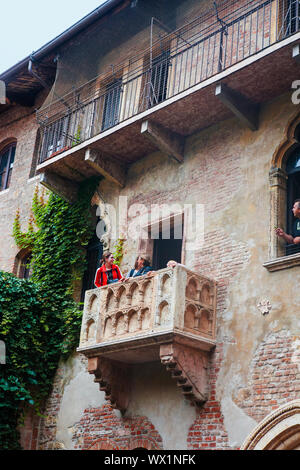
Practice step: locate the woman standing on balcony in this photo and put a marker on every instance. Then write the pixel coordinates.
(141, 267)
(109, 273)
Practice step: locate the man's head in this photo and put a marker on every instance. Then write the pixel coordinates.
(141, 262)
(296, 208)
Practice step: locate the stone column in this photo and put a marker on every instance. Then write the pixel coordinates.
(278, 186)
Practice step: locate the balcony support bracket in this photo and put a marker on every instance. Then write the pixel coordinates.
(167, 141)
(296, 53)
(57, 184)
(106, 166)
(113, 378)
(189, 368)
(242, 107)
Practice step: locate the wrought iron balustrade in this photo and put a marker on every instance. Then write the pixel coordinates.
(197, 51)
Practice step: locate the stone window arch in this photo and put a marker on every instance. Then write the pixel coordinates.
(280, 177)
(22, 265)
(104, 444)
(143, 444)
(280, 430)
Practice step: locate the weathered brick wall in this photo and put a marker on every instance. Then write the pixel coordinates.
(116, 433)
(259, 355)
(208, 431)
(256, 362)
(30, 430)
(274, 376)
(19, 125)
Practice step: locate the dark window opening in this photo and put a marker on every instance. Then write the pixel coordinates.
(112, 105)
(293, 192)
(55, 138)
(94, 255)
(159, 78)
(25, 267)
(7, 157)
(292, 23)
(165, 250)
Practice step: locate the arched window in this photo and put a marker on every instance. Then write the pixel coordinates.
(7, 156)
(25, 266)
(22, 266)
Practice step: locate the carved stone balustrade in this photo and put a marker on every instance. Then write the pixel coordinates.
(168, 317)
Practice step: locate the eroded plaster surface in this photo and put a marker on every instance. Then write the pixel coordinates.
(79, 392)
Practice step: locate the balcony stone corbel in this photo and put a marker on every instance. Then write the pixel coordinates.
(106, 166)
(189, 368)
(296, 53)
(61, 186)
(165, 140)
(245, 110)
(113, 379)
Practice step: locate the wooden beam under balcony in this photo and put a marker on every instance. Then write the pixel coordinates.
(243, 108)
(110, 169)
(63, 187)
(168, 142)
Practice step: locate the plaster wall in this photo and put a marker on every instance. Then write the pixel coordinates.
(255, 367)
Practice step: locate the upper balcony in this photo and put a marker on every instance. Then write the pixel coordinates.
(168, 317)
(216, 65)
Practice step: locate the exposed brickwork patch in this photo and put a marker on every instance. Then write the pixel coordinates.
(208, 431)
(29, 431)
(274, 376)
(101, 428)
(48, 427)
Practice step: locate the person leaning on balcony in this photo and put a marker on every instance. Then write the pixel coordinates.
(108, 273)
(141, 267)
(295, 237)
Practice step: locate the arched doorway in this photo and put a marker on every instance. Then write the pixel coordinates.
(280, 430)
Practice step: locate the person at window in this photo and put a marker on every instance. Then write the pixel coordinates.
(108, 273)
(141, 267)
(295, 237)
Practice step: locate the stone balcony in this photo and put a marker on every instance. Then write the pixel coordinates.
(169, 317)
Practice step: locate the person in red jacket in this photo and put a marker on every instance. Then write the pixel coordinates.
(109, 272)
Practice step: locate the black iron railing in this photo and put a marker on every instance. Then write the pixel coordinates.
(184, 58)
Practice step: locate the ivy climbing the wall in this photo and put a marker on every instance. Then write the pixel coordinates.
(39, 318)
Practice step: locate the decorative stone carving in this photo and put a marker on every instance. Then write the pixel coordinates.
(189, 368)
(168, 316)
(264, 307)
(280, 430)
(113, 379)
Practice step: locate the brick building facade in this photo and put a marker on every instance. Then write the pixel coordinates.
(197, 111)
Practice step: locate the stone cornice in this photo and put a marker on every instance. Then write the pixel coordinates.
(284, 262)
